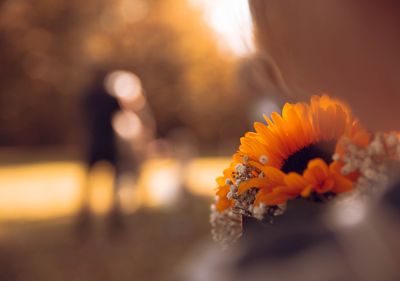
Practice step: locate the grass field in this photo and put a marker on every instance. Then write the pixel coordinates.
(40, 198)
(152, 246)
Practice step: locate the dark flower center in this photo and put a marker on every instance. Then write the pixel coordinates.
(298, 161)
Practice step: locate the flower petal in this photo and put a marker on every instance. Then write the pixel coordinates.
(255, 182)
(269, 198)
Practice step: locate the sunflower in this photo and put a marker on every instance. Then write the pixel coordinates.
(296, 154)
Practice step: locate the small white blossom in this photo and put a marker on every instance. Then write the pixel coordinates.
(259, 211)
(391, 140)
(228, 182)
(263, 159)
(347, 169)
(281, 210)
(241, 169)
(376, 146)
(370, 174)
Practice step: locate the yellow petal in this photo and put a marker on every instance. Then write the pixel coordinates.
(295, 181)
(273, 174)
(307, 191)
(255, 182)
(270, 198)
(220, 181)
(342, 184)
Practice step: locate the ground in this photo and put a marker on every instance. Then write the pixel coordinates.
(152, 247)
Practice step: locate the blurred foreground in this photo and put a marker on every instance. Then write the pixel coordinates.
(49, 250)
(40, 197)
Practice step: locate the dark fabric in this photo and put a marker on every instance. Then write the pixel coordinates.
(391, 199)
(99, 109)
(297, 230)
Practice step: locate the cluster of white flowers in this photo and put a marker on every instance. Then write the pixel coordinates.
(263, 211)
(260, 211)
(243, 203)
(226, 226)
(371, 161)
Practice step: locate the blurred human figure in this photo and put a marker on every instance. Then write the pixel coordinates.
(99, 108)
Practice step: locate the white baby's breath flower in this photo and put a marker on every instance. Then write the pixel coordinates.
(263, 159)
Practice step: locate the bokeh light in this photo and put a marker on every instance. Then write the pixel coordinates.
(350, 211)
(127, 124)
(231, 21)
(161, 182)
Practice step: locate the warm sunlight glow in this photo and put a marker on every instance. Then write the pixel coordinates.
(201, 173)
(101, 181)
(40, 191)
(231, 21)
(160, 182)
(53, 189)
(128, 194)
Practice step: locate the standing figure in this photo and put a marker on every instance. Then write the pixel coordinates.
(99, 108)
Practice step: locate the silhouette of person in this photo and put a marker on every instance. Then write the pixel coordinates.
(99, 108)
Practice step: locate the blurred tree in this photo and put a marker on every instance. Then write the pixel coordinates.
(50, 47)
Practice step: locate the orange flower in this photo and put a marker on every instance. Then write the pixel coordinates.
(318, 177)
(222, 191)
(300, 125)
(283, 159)
(322, 179)
(290, 187)
(273, 178)
(355, 134)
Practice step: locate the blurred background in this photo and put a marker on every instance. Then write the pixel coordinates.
(116, 116)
